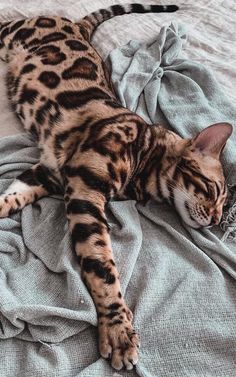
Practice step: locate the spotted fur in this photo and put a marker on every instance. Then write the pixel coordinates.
(93, 149)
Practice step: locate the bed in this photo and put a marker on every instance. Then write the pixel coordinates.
(183, 298)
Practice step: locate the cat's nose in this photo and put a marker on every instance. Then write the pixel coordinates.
(214, 220)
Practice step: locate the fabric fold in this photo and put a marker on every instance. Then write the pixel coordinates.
(159, 83)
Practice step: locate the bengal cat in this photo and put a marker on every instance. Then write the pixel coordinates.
(93, 149)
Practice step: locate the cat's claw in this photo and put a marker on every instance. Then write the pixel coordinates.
(119, 342)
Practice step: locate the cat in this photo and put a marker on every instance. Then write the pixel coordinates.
(93, 149)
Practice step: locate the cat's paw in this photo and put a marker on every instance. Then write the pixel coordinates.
(118, 341)
(9, 204)
(4, 206)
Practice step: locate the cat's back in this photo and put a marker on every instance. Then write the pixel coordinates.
(52, 68)
(60, 89)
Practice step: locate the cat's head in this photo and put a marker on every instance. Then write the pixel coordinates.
(198, 189)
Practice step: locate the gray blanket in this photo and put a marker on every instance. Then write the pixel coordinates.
(179, 282)
(159, 83)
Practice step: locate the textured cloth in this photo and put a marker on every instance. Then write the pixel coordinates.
(162, 85)
(179, 282)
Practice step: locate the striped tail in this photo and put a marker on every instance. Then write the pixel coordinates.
(93, 20)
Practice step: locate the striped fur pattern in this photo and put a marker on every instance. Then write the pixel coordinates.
(93, 149)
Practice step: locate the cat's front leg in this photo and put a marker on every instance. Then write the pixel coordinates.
(90, 235)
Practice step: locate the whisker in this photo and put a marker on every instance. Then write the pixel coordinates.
(175, 197)
(177, 185)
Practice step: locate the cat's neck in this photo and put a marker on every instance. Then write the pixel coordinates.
(160, 152)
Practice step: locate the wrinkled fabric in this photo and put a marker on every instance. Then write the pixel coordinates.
(179, 282)
(163, 86)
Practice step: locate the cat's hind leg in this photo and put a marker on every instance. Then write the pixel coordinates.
(28, 187)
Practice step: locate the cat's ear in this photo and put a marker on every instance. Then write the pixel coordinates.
(212, 139)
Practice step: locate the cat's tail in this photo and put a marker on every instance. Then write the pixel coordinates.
(90, 22)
